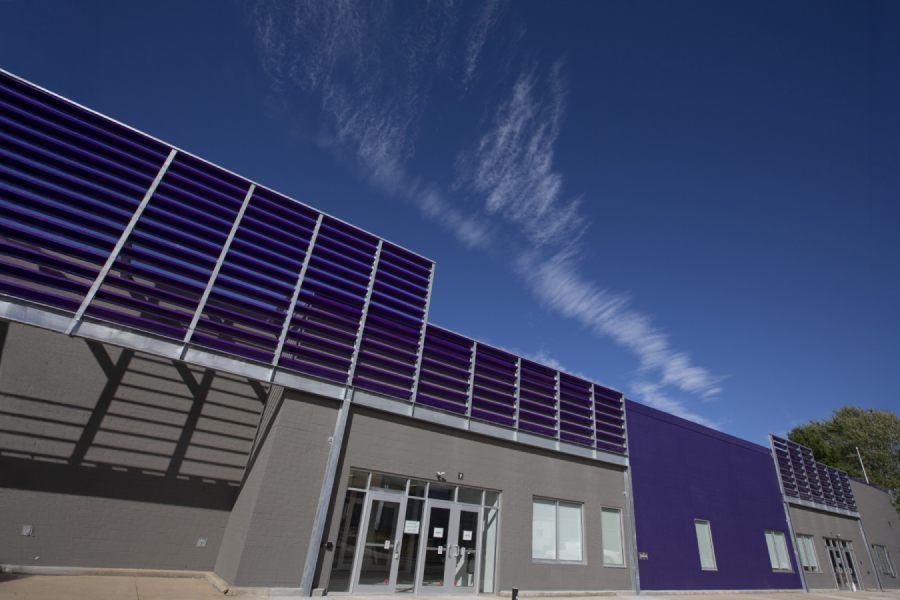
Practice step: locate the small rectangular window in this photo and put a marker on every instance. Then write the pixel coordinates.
(705, 544)
(556, 531)
(884, 561)
(807, 550)
(611, 532)
(778, 554)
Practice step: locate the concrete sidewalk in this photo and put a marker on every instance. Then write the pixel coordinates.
(85, 587)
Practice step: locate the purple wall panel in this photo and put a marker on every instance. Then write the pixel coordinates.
(682, 471)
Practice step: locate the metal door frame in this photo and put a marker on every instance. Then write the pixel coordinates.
(840, 550)
(371, 498)
(860, 586)
(452, 533)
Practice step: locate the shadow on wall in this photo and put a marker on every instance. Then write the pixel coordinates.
(83, 418)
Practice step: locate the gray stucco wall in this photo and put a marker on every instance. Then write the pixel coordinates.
(822, 524)
(117, 459)
(269, 529)
(398, 445)
(882, 525)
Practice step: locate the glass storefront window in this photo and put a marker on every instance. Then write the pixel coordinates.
(489, 550)
(469, 496)
(388, 483)
(345, 548)
(358, 479)
(409, 550)
(441, 491)
(417, 488)
(452, 544)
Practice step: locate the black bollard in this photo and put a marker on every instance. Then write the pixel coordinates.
(515, 594)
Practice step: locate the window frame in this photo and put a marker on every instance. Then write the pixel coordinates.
(557, 560)
(624, 564)
(712, 547)
(888, 562)
(776, 534)
(801, 550)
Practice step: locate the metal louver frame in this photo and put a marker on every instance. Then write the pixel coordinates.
(465, 377)
(810, 483)
(110, 234)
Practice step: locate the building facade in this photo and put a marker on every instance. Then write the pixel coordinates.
(198, 373)
(881, 524)
(694, 485)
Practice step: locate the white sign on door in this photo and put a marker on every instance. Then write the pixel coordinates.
(387, 544)
(411, 527)
(438, 532)
(440, 549)
(467, 535)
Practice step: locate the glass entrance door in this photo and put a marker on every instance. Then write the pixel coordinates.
(377, 564)
(843, 563)
(451, 549)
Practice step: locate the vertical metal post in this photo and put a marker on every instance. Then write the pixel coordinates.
(415, 386)
(89, 297)
(858, 455)
(787, 515)
(318, 528)
(471, 379)
(292, 306)
(518, 389)
(875, 568)
(594, 419)
(365, 314)
(558, 405)
(216, 269)
(629, 504)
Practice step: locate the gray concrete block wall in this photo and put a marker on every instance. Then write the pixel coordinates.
(821, 524)
(118, 459)
(269, 529)
(397, 445)
(84, 531)
(882, 525)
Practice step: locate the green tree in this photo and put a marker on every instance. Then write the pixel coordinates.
(874, 431)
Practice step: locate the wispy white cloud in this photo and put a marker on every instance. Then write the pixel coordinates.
(512, 164)
(470, 232)
(650, 393)
(371, 66)
(559, 286)
(478, 35)
(512, 167)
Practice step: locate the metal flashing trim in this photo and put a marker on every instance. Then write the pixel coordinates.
(309, 385)
(383, 403)
(24, 312)
(823, 507)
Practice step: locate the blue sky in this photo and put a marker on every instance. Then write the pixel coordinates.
(695, 203)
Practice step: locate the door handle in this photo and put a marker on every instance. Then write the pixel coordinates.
(457, 551)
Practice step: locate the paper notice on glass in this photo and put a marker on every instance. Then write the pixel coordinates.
(467, 535)
(440, 549)
(438, 532)
(411, 527)
(387, 544)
